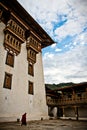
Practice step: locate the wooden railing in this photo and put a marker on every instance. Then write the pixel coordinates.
(67, 101)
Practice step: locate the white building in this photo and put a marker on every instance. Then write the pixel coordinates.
(21, 71)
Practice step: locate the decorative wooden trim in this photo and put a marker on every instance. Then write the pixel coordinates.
(16, 29)
(31, 55)
(11, 43)
(14, 37)
(33, 43)
(20, 21)
(36, 36)
(14, 32)
(33, 47)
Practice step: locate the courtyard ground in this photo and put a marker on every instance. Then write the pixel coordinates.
(46, 125)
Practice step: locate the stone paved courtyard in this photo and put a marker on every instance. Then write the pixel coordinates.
(46, 125)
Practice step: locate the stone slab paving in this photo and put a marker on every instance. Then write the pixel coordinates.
(46, 125)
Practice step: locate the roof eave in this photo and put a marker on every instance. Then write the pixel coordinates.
(14, 6)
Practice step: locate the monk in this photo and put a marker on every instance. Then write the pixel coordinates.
(23, 120)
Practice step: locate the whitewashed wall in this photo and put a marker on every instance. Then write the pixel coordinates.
(15, 102)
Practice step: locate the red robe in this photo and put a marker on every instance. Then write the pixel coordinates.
(23, 120)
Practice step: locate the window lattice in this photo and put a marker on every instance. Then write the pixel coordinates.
(30, 88)
(31, 69)
(8, 80)
(10, 59)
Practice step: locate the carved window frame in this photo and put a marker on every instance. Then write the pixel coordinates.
(10, 59)
(31, 69)
(30, 88)
(7, 80)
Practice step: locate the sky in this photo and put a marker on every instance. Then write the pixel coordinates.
(65, 21)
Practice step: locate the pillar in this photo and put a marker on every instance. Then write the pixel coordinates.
(63, 112)
(76, 113)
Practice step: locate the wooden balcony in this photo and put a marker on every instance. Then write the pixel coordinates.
(67, 101)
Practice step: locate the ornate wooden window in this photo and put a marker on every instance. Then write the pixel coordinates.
(31, 69)
(7, 80)
(33, 47)
(10, 59)
(30, 88)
